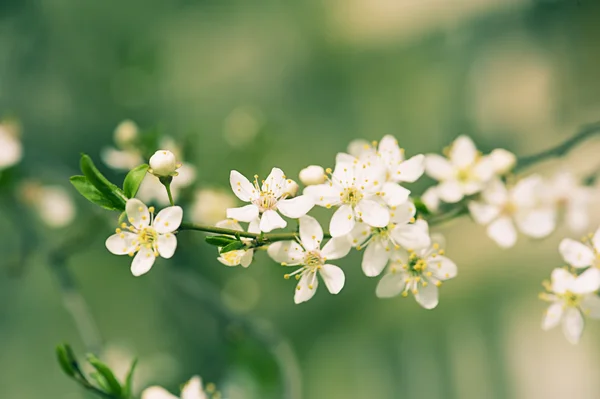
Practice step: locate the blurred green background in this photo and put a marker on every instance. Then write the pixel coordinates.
(252, 85)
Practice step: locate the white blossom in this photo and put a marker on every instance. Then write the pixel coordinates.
(356, 189)
(465, 172)
(241, 256)
(210, 205)
(53, 204)
(126, 155)
(431, 199)
(267, 200)
(523, 206)
(126, 133)
(148, 236)
(11, 149)
(380, 243)
(313, 260)
(572, 197)
(292, 189)
(571, 300)
(313, 174)
(584, 256)
(419, 272)
(163, 164)
(152, 190)
(193, 389)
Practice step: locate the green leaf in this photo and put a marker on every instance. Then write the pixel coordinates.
(127, 389)
(421, 207)
(233, 246)
(134, 179)
(112, 383)
(100, 381)
(91, 193)
(111, 192)
(220, 241)
(66, 359)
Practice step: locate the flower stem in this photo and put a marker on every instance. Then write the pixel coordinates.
(262, 238)
(168, 187)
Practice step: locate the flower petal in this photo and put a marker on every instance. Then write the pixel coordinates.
(270, 220)
(394, 194)
(431, 199)
(288, 252)
(121, 244)
(573, 323)
(193, 389)
(586, 282)
(576, 253)
(241, 186)
(247, 258)
(562, 281)
(411, 236)
(311, 233)
(336, 248)
(137, 213)
(463, 152)
(326, 194)
(495, 193)
(483, 213)
(438, 167)
(442, 267)
(166, 245)
(342, 221)
(376, 257)
(275, 182)
(296, 207)
(552, 316)
(591, 306)
(410, 170)
(503, 232)
(538, 223)
(359, 234)
(450, 191)
(157, 393)
(246, 213)
(427, 296)
(373, 213)
(503, 161)
(168, 220)
(596, 240)
(142, 262)
(333, 277)
(403, 213)
(390, 285)
(229, 224)
(306, 288)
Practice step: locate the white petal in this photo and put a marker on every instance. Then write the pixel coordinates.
(342, 157)
(275, 182)
(137, 213)
(270, 220)
(483, 213)
(115, 159)
(525, 192)
(167, 243)
(389, 151)
(562, 281)
(193, 389)
(411, 236)
(586, 282)
(576, 253)
(247, 258)
(438, 167)
(403, 213)
(495, 193)
(241, 186)
(288, 252)
(431, 199)
(427, 296)
(450, 191)
(231, 258)
(538, 223)
(359, 147)
(373, 213)
(326, 194)
(394, 194)
(442, 267)
(296, 207)
(336, 248)
(596, 240)
(390, 285)
(229, 224)
(463, 152)
(572, 323)
(311, 233)
(254, 226)
(246, 213)
(121, 244)
(376, 257)
(142, 262)
(552, 316)
(503, 232)
(591, 306)
(577, 217)
(306, 288)
(168, 220)
(342, 221)
(157, 393)
(483, 170)
(333, 277)
(359, 234)
(502, 160)
(411, 169)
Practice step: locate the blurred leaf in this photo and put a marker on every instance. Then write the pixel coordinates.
(66, 359)
(100, 381)
(127, 389)
(109, 190)
(233, 246)
(134, 179)
(220, 241)
(421, 207)
(113, 384)
(91, 193)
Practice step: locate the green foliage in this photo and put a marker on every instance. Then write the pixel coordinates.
(133, 180)
(110, 192)
(421, 207)
(220, 241)
(109, 381)
(91, 193)
(233, 246)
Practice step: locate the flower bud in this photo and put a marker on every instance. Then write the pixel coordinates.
(312, 174)
(11, 150)
(503, 161)
(163, 164)
(292, 188)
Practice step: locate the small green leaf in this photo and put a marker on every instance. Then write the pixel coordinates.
(220, 241)
(421, 207)
(133, 180)
(109, 190)
(91, 193)
(66, 359)
(127, 389)
(233, 246)
(112, 383)
(100, 381)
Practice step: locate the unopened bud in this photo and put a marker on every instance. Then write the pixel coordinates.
(163, 164)
(312, 174)
(292, 188)
(502, 161)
